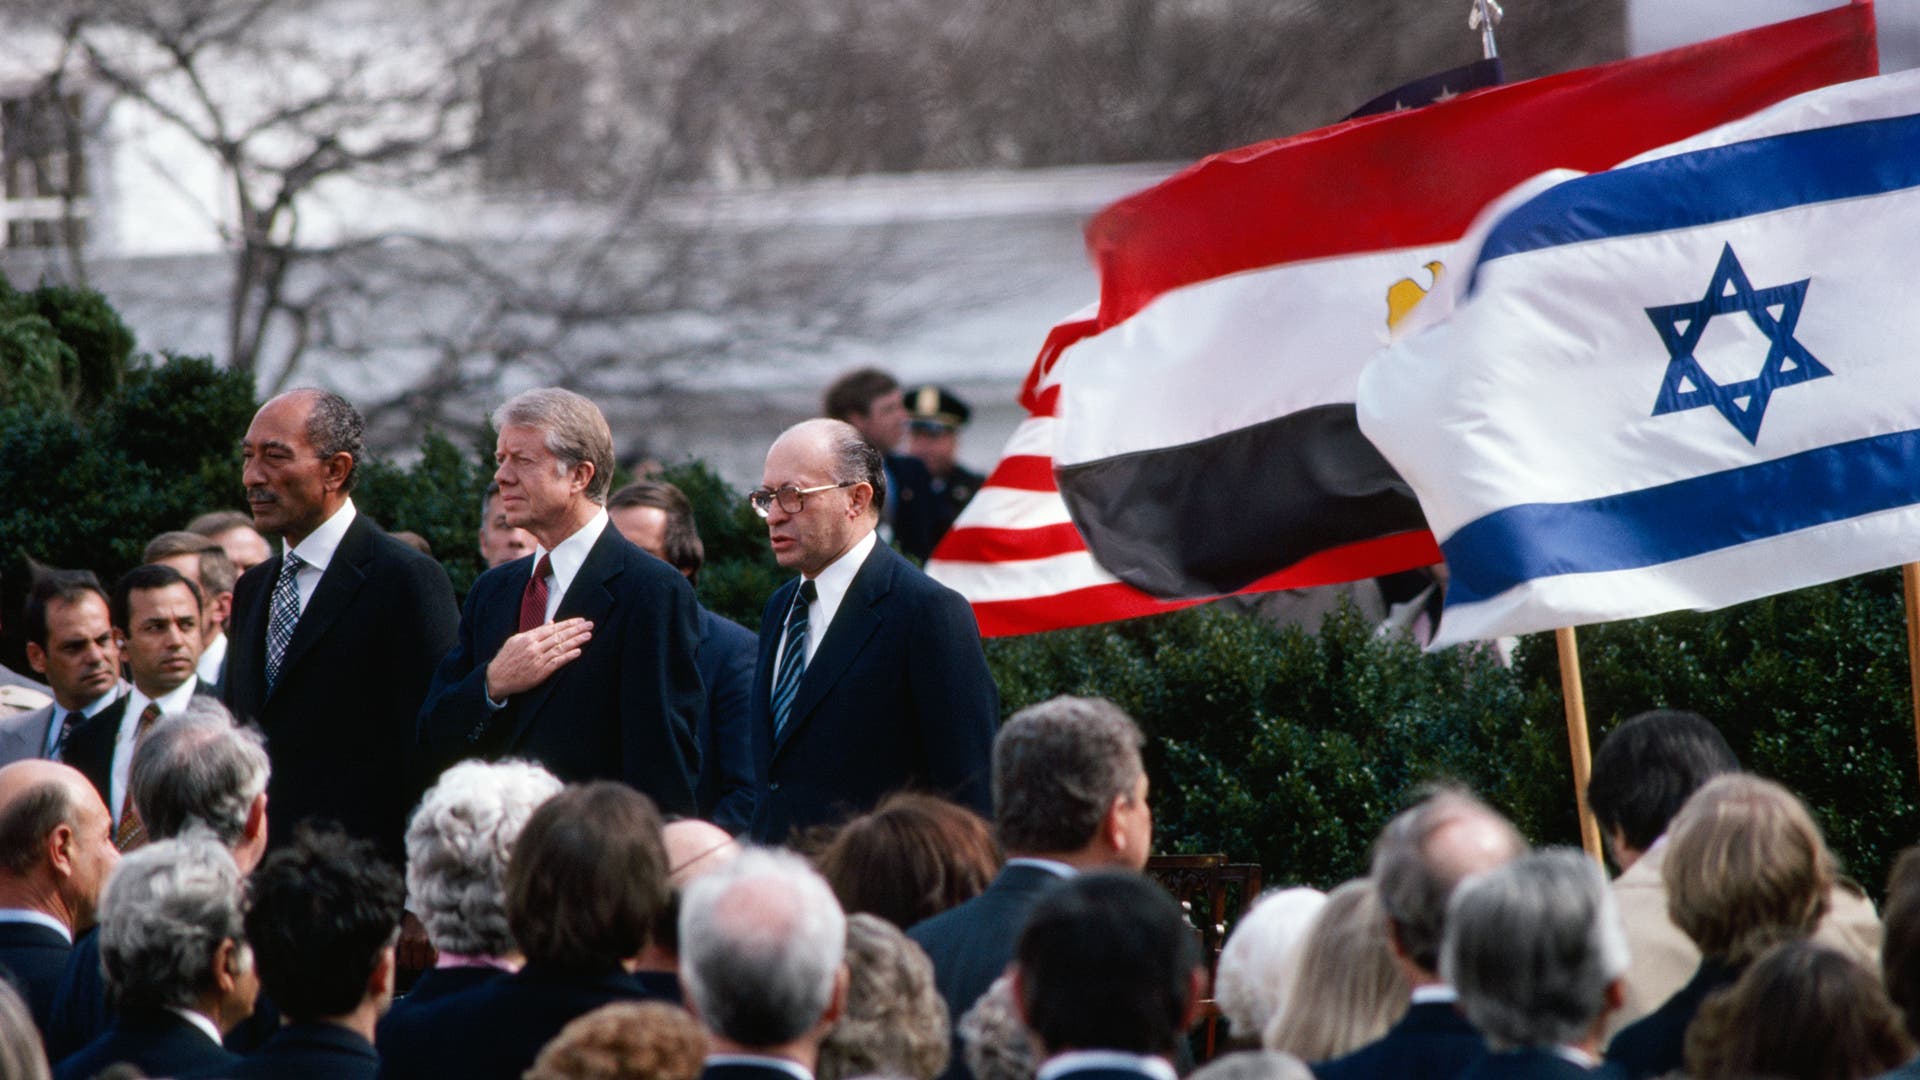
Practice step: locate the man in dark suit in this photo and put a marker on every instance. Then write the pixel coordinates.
(1069, 794)
(70, 640)
(762, 941)
(176, 965)
(335, 638)
(871, 401)
(56, 850)
(1125, 935)
(321, 922)
(580, 656)
(1536, 950)
(156, 614)
(870, 677)
(658, 518)
(587, 877)
(935, 417)
(1421, 857)
(204, 562)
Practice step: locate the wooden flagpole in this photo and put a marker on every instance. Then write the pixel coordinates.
(1910, 579)
(1581, 745)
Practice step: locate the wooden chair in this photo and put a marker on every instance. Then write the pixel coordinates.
(1213, 893)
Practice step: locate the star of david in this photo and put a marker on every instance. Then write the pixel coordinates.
(1774, 311)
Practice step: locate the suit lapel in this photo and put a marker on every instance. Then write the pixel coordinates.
(344, 575)
(247, 653)
(852, 625)
(587, 597)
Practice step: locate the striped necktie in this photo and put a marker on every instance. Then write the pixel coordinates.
(132, 831)
(533, 599)
(793, 661)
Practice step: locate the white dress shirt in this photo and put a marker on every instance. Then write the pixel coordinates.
(1156, 1067)
(171, 704)
(317, 551)
(567, 557)
(37, 918)
(791, 1068)
(212, 657)
(830, 586)
(91, 710)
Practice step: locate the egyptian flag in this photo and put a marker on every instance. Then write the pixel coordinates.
(1195, 435)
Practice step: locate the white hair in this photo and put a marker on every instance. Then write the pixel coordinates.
(1257, 964)
(163, 916)
(761, 941)
(1532, 946)
(458, 844)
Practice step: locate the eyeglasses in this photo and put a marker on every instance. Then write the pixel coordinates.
(792, 499)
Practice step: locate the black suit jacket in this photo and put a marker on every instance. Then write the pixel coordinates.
(339, 721)
(1655, 1044)
(432, 987)
(725, 791)
(160, 1043)
(35, 956)
(912, 507)
(81, 1015)
(303, 1052)
(496, 1029)
(1431, 1042)
(1533, 1063)
(897, 696)
(90, 747)
(970, 945)
(627, 709)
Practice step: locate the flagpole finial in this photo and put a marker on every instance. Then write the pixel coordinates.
(1486, 15)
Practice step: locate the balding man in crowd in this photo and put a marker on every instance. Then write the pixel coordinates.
(694, 849)
(1108, 977)
(234, 532)
(1643, 773)
(334, 638)
(762, 946)
(56, 850)
(322, 919)
(580, 656)
(1069, 795)
(176, 961)
(1536, 952)
(658, 518)
(1420, 858)
(70, 640)
(871, 676)
(204, 562)
(197, 771)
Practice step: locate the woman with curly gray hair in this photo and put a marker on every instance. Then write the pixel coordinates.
(457, 847)
(895, 1023)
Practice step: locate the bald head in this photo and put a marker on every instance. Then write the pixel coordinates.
(56, 841)
(694, 848)
(825, 487)
(1424, 854)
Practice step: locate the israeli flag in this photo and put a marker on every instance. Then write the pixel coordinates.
(1686, 382)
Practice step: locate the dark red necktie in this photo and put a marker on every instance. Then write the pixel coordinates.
(533, 602)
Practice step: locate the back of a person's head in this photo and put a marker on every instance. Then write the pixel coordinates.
(1802, 1011)
(1257, 964)
(993, 1040)
(198, 770)
(895, 1022)
(1424, 853)
(913, 857)
(1745, 868)
(1346, 989)
(1648, 767)
(1057, 768)
(627, 1040)
(762, 940)
(27, 819)
(459, 841)
(1106, 961)
(587, 877)
(22, 1056)
(1533, 947)
(325, 910)
(1900, 945)
(1254, 1065)
(165, 913)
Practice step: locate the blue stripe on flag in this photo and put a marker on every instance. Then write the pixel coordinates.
(1868, 157)
(1510, 547)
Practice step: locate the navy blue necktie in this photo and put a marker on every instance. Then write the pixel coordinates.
(793, 661)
